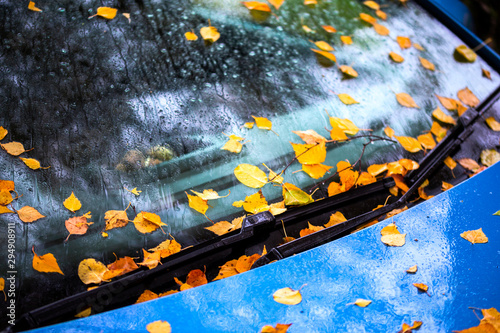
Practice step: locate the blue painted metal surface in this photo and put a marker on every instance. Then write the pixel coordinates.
(458, 11)
(458, 273)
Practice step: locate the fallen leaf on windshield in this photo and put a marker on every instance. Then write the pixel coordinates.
(475, 236)
(389, 131)
(249, 125)
(159, 326)
(32, 163)
(244, 262)
(147, 295)
(391, 236)
(421, 192)
(467, 97)
(427, 64)
(346, 40)
(227, 270)
(310, 154)
(371, 4)
(263, 123)
(46, 263)
(346, 99)
(427, 141)
(78, 225)
(409, 144)
(221, 228)
(412, 269)
(381, 30)
(150, 260)
(287, 296)
(31, 6)
(273, 177)
(348, 70)
(5, 210)
(404, 42)
(106, 12)
(210, 194)
(255, 203)
(146, 222)
(450, 162)
(277, 208)
(367, 18)
(396, 57)
(334, 188)
(418, 47)
(134, 191)
(465, 54)
(279, 328)
(14, 148)
(493, 124)
(310, 229)
(116, 218)
(168, 247)
(406, 100)
(485, 72)
(448, 103)
(72, 203)
(310, 137)
(335, 218)
(438, 131)
(209, 34)
(326, 55)
(421, 286)
(276, 3)
(324, 46)
(3, 132)
(489, 324)
(443, 117)
(381, 14)
(489, 157)
(409, 329)
(346, 125)
(294, 196)
(315, 171)
(250, 175)
(233, 146)
(469, 164)
(347, 176)
(329, 29)
(91, 271)
(29, 214)
(377, 169)
(124, 265)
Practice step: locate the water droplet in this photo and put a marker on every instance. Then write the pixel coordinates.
(61, 10)
(252, 53)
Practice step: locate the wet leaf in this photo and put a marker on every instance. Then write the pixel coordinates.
(115, 219)
(294, 196)
(72, 203)
(310, 137)
(279, 328)
(233, 146)
(346, 99)
(210, 194)
(310, 154)
(427, 141)
(334, 188)
(347, 40)
(469, 164)
(327, 55)
(46, 263)
(377, 169)
(418, 47)
(257, 5)
(347, 175)
(391, 236)
(475, 236)
(263, 123)
(4, 209)
(427, 64)
(371, 4)
(467, 97)
(448, 103)
(396, 211)
(396, 57)
(406, 100)
(84, 313)
(169, 247)
(337, 134)
(244, 262)
(310, 229)
(222, 227)
(404, 42)
(124, 265)
(276, 3)
(346, 125)
(91, 271)
(489, 157)
(209, 34)
(227, 270)
(438, 131)
(29, 214)
(324, 46)
(381, 14)
(196, 278)
(348, 71)
(32, 163)
(249, 125)
(365, 178)
(421, 286)
(485, 72)
(146, 222)
(463, 53)
(389, 131)
(421, 191)
(442, 117)
(106, 12)
(329, 29)
(363, 303)
(150, 260)
(134, 191)
(450, 163)
(159, 326)
(250, 175)
(412, 269)
(277, 208)
(3, 132)
(78, 225)
(335, 219)
(273, 177)
(381, 30)
(409, 329)
(31, 6)
(255, 203)
(446, 186)
(13, 148)
(5, 197)
(287, 296)
(147, 295)
(493, 124)
(409, 144)
(315, 171)
(367, 18)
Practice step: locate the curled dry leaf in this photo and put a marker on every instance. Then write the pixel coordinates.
(250, 175)
(287, 296)
(46, 263)
(412, 269)
(391, 236)
(406, 100)
(72, 203)
(134, 191)
(116, 218)
(475, 236)
(29, 214)
(159, 326)
(146, 222)
(486, 74)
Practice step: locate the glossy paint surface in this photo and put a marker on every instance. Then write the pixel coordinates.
(459, 275)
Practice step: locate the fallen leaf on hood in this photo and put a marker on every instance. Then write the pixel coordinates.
(391, 236)
(475, 236)
(287, 296)
(159, 326)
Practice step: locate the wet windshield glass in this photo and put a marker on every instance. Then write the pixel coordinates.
(129, 103)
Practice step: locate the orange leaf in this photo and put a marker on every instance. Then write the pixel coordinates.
(438, 131)
(125, 265)
(391, 236)
(227, 270)
(335, 218)
(196, 278)
(427, 141)
(159, 326)
(46, 263)
(443, 117)
(371, 4)
(256, 5)
(115, 219)
(4, 210)
(31, 6)
(91, 271)
(475, 236)
(315, 170)
(467, 97)
(329, 29)
(210, 34)
(381, 14)
(469, 164)
(29, 214)
(279, 328)
(72, 203)
(263, 123)
(346, 40)
(310, 154)
(337, 134)
(406, 100)
(310, 229)
(77, 225)
(310, 137)
(493, 124)
(409, 144)
(427, 64)
(146, 222)
(381, 30)
(346, 99)
(276, 3)
(345, 125)
(13, 148)
(147, 295)
(326, 55)
(404, 42)
(365, 178)
(5, 197)
(32, 163)
(3, 132)
(389, 131)
(190, 35)
(197, 203)
(450, 163)
(151, 260)
(324, 46)
(449, 103)
(377, 169)
(485, 72)
(348, 70)
(367, 18)
(421, 287)
(106, 12)
(334, 188)
(396, 57)
(244, 263)
(446, 186)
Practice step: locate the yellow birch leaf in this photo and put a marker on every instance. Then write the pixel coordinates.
(29, 214)
(310, 229)
(250, 175)
(310, 154)
(147, 295)
(475, 236)
(257, 5)
(32, 6)
(391, 236)
(409, 144)
(238, 203)
(409, 329)
(365, 178)
(381, 30)
(443, 117)
(146, 222)
(467, 97)
(404, 42)
(363, 303)
(346, 99)
(315, 170)
(396, 57)
(337, 134)
(209, 34)
(13, 148)
(485, 72)
(84, 313)
(277, 208)
(427, 64)
(489, 157)
(326, 55)
(427, 141)
(263, 123)
(255, 203)
(381, 14)
(438, 131)
(287, 296)
(91, 271)
(3, 132)
(412, 269)
(345, 125)
(310, 137)
(493, 124)
(394, 168)
(234, 137)
(377, 169)
(418, 47)
(279, 328)
(104, 234)
(276, 3)
(249, 125)
(329, 29)
(389, 131)
(227, 270)
(463, 53)
(406, 100)
(220, 228)
(347, 175)
(448, 103)
(334, 188)
(450, 163)
(210, 194)
(421, 286)
(77, 225)
(134, 191)
(32, 163)
(115, 219)
(273, 177)
(233, 146)
(72, 203)
(347, 40)
(150, 260)
(4, 210)
(324, 46)
(367, 18)
(445, 186)
(106, 12)
(244, 263)
(371, 4)
(123, 265)
(198, 204)
(307, 29)
(348, 70)
(335, 218)
(408, 164)
(159, 326)
(167, 248)
(294, 196)
(469, 164)
(190, 35)
(46, 263)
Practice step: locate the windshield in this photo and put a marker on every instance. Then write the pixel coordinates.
(113, 105)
